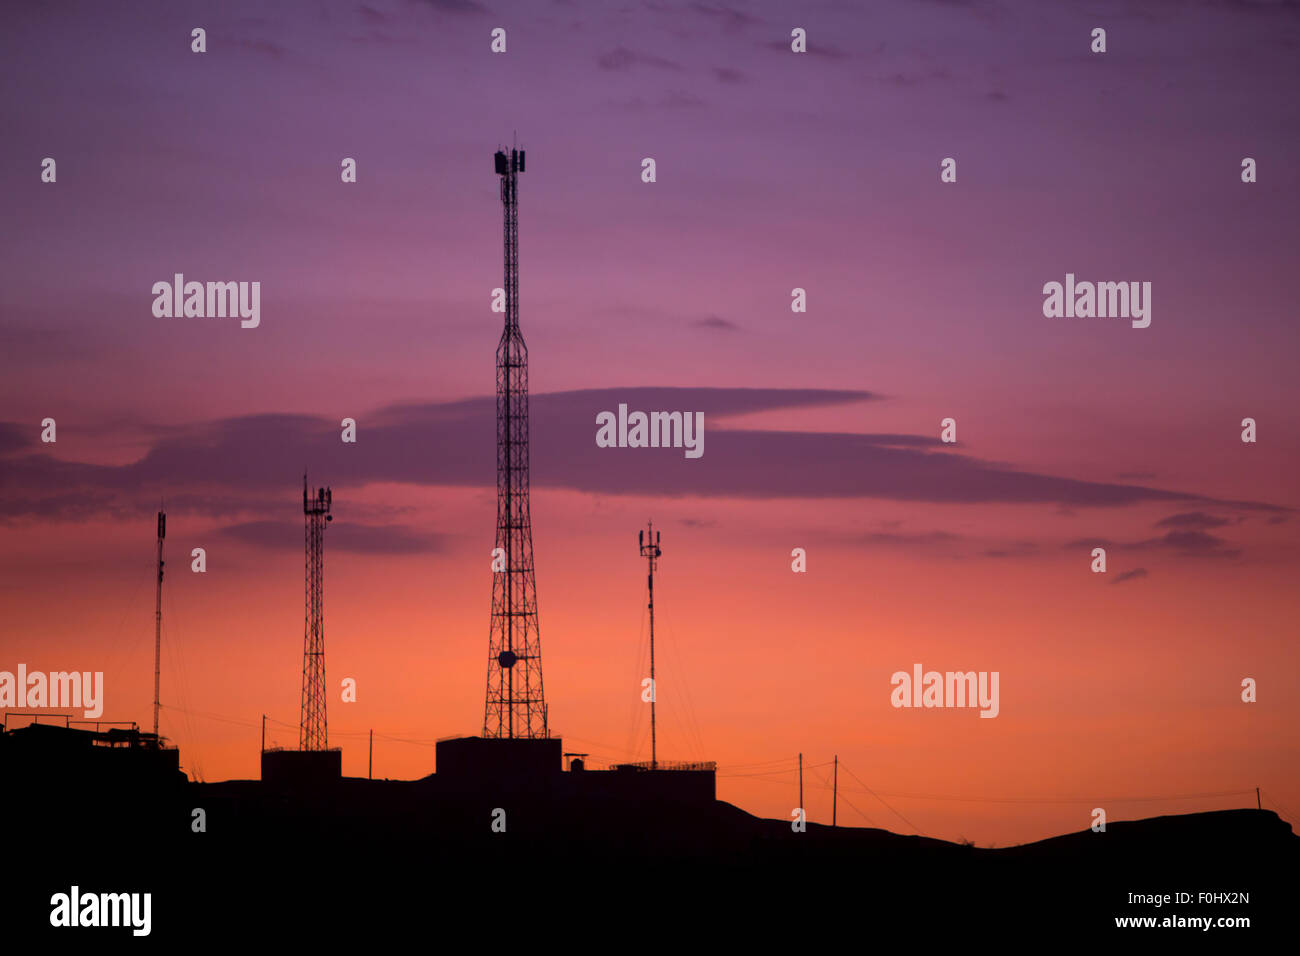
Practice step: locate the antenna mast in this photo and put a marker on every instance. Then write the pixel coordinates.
(650, 550)
(157, 620)
(835, 790)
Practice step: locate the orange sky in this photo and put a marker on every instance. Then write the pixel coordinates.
(1106, 691)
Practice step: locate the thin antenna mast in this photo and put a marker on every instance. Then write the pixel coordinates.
(835, 789)
(157, 619)
(650, 550)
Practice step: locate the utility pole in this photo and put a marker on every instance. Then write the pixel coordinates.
(1258, 805)
(157, 621)
(801, 781)
(650, 550)
(835, 790)
(370, 766)
(264, 733)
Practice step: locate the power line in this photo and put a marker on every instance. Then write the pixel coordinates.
(679, 669)
(741, 770)
(825, 786)
(767, 773)
(172, 640)
(634, 700)
(878, 797)
(290, 726)
(1050, 800)
(727, 771)
(1273, 800)
(759, 764)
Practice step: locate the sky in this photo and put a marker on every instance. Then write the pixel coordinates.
(774, 171)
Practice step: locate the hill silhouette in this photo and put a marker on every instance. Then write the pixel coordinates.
(339, 860)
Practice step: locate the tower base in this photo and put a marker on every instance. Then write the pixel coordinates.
(499, 759)
(294, 769)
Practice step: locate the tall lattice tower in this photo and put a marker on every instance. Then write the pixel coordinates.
(312, 734)
(515, 706)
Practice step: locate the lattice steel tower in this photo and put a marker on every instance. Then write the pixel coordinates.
(312, 734)
(515, 706)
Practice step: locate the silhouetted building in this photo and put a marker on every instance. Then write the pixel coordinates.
(294, 769)
(474, 764)
(499, 758)
(106, 757)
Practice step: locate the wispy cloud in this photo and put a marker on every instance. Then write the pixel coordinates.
(343, 536)
(716, 322)
(13, 437)
(1130, 575)
(270, 48)
(1197, 544)
(622, 59)
(453, 444)
(673, 100)
(455, 6)
(697, 522)
(1198, 520)
(1190, 544)
(728, 17)
(827, 50)
(1017, 549)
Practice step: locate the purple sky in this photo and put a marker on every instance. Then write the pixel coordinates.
(774, 171)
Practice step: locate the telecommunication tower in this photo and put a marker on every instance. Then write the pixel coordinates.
(515, 706)
(312, 734)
